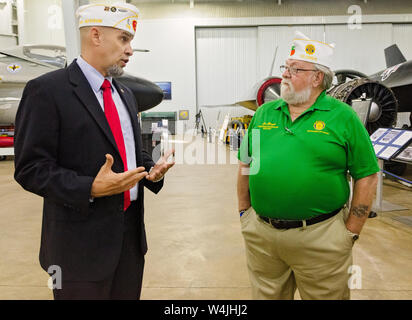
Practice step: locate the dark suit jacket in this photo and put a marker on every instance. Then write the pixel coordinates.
(61, 138)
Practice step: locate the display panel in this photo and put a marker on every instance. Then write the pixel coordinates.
(166, 88)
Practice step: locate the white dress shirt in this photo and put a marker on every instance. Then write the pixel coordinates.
(96, 79)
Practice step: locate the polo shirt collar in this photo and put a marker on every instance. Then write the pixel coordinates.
(321, 103)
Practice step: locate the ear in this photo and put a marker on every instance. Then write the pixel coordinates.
(96, 36)
(318, 79)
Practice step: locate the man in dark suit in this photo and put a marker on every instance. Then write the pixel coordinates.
(78, 145)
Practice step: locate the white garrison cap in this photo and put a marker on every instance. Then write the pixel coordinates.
(119, 15)
(313, 51)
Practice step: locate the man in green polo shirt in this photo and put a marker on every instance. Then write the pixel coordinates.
(293, 186)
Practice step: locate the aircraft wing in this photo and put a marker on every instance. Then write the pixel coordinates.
(251, 105)
(141, 50)
(8, 109)
(219, 105)
(23, 57)
(7, 100)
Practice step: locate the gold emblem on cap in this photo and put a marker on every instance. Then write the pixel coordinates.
(310, 49)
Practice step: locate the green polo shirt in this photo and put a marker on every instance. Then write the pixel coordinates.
(299, 169)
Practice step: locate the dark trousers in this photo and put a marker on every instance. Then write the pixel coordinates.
(125, 283)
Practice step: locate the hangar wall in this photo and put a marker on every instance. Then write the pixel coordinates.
(221, 72)
(7, 38)
(171, 58)
(177, 38)
(43, 22)
(159, 9)
(402, 33)
(402, 36)
(226, 63)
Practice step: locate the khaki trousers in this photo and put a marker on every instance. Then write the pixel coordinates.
(315, 259)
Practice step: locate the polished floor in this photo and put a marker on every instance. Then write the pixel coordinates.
(196, 250)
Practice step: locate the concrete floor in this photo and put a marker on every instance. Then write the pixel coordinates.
(196, 249)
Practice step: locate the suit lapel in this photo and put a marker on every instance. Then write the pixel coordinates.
(84, 92)
(127, 100)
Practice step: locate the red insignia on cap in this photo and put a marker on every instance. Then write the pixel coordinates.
(134, 25)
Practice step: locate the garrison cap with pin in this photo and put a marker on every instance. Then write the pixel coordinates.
(309, 50)
(121, 16)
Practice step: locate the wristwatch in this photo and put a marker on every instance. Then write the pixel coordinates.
(355, 236)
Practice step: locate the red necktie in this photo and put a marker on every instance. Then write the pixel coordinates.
(114, 122)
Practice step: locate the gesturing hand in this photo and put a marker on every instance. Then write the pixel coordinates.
(108, 183)
(161, 167)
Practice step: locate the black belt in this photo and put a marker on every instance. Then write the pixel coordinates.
(289, 224)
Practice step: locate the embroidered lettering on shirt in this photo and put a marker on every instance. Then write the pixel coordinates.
(268, 126)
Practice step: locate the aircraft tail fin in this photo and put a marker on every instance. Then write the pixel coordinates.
(393, 56)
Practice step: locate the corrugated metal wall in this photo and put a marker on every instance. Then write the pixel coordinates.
(226, 68)
(402, 35)
(360, 49)
(44, 22)
(266, 8)
(6, 38)
(231, 60)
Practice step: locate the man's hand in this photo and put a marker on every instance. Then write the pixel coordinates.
(161, 167)
(108, 183)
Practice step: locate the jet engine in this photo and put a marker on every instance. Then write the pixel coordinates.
(384, 106)
(383, 110)
(264, 91)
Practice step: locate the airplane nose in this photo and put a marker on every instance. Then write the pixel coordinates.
(147, 94)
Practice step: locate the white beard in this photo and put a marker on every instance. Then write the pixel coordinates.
(115, 71)
(292, 97)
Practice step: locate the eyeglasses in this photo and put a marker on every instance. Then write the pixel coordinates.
(293, 71)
